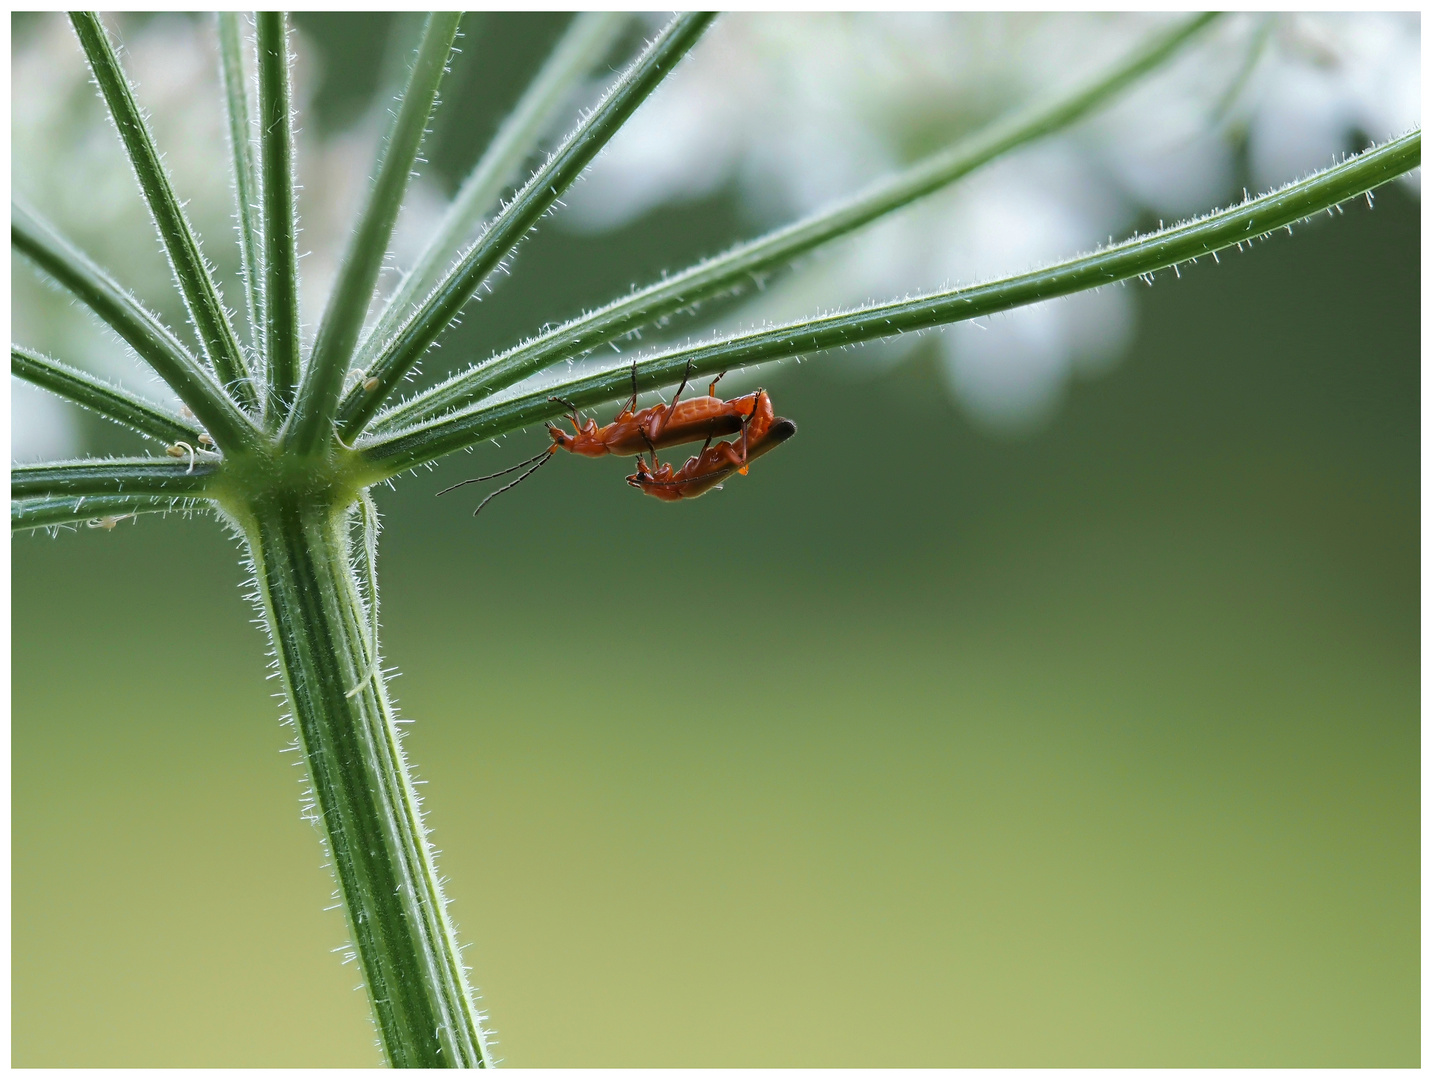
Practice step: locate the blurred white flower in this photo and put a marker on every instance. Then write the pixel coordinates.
(797, 110)
(68, 163)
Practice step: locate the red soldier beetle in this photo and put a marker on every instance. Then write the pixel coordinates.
(661, 426)
(762, 433)
(656, 427)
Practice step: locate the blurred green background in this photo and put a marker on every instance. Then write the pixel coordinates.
(917, 747)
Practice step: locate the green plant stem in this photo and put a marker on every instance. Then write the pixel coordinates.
(104, 398)
(343, 319)
(246, 184)
(146, 334)
(201, 296)
(364, 802)
(586, 40)
(118, 476)
(1138, 257)
(279, 216)
(93, 509)
(745, 263)
(517, 217)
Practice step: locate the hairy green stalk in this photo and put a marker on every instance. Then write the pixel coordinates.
(191, 271)
(1133, 258)
(343, 319)
(104, 398)
(364, 801)
(147, 335)
(517, 217)
(246, 181)
(280, 217)
(738, 268)
(590, 35)
(94, 511)
(134, 476)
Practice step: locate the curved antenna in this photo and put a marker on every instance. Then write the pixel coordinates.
(494, 476)
(508, 487)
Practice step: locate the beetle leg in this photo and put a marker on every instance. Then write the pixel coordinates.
(573, 416)
(684, 380)
(659, 420)
(630, 406)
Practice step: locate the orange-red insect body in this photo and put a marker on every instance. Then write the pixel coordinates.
(660, 426)
(656, 427)
(762, 433)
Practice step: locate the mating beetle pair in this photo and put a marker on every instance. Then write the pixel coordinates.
(660, 426)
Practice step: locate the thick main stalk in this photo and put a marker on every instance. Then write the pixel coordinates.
(362, 793)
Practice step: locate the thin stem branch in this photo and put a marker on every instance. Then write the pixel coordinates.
(191, 271)
(279, 216)
(744, 264)
(517, 218)
(586, 40)
(118, 476)
(246, 183)
(363, 799)
(343, 320)
(150, 338)
(105, 398)
(97, 511)
(1137, 257)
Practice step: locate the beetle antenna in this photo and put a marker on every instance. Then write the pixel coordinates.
(504, 472)
(546, 457)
